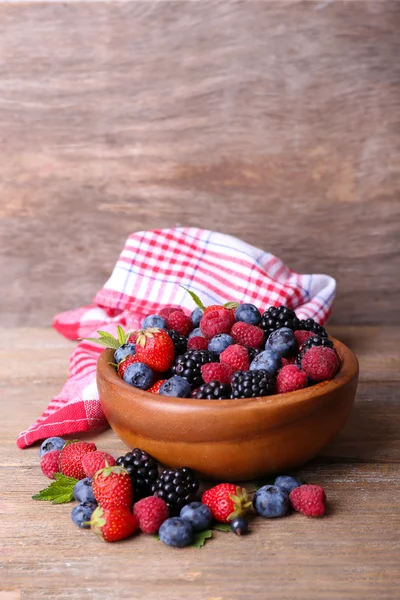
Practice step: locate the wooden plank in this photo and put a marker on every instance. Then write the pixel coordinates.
(277, 122)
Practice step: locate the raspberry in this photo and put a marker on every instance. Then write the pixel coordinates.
(320, 363)
(155, 388)
(309, 500)
(289, 360)
(302, 336)
(49, 463)
(215, 322)
(168, 310)
(236, 356)
(197, 343)
(179, 322)
(217, 372)
(290, 378)
(247, 335)
(151, 512)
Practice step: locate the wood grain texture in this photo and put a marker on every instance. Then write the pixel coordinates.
(277, 122)
(350, 554)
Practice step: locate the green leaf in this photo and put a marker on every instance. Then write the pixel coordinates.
(194, 297)
(231, 304)
(222, 527)
(59, 491)
(157, 536)
(121, 335)
(200, 537)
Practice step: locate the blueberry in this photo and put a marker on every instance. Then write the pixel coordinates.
(154, 321)
(139, 375)
(81, 514)
(282, 341)
(176, 532)
(196, 316)
(197, 514)
(124, 351)
(52, 443)
(220, 342)
(287, 483)
(239, 526)
(176, 386)
(268, 360)
(248, 313)
(83, 491)
(195, 333)
(271, 501)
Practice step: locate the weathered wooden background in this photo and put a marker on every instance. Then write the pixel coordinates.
(278, 122)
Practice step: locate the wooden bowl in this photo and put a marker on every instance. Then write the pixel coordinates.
(230, 440)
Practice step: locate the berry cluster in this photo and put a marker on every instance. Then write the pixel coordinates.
(222, 352)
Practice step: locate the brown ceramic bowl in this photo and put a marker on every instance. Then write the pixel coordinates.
(230, 440)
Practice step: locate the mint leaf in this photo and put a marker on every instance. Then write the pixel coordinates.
(59, 491)
(222, 527)
(194, 297)
(200, 537)
(231, 304)
(121, 335)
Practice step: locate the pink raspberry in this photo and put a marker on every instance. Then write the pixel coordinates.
(49, 463)
(151, 512)
(236, 356)
(290, 378)
(197, 342)
(217, 372)
(289, 360)
(168, 310)
(247, 335)
(309, 500)
(215, 322)
(180, 322)
(302, 336)
(320, 363)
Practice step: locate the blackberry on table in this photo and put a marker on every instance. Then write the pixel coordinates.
(180, 342)
(143, 471)
(315, 340)
(189, 365)
(214, 390)
(276, 317)
(177, 487)
(250, 384)
(313, 326)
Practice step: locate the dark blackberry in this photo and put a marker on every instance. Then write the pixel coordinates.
(253, 352)
(177, 487)
(214, 391)
(315, 340)
(189, 365)
(249, 384)
(313, 326)
(180, 342)
(143, 470)
(276, 317)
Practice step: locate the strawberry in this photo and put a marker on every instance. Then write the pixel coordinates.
(226, 501)
(155, 388)
(49, 463)
(112, 488)
(129, 360)
(155, 348)
(113, 524)
(94, 461)
(70, 460)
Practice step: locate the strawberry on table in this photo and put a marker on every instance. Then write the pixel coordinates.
(70, 460)
(112, 487)
(226, 501)
(155, 348)
(113, 524)
(94, 461)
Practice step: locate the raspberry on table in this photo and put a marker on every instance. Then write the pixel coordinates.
(215, 322)
(308, 500)
(217, 372)
(49, 463)
(320, 363)
(236, 356)
(247, 335)
(290, 379)
(151, 512)
(250, 384)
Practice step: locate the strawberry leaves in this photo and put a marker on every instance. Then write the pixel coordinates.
(59, 491)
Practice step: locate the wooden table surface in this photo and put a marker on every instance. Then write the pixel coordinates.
(352, 553)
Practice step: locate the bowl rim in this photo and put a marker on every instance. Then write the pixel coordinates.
(348, 370)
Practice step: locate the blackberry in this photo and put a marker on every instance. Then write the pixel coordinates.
(276, 317)
(177, 487)
(143, 471)
(315, 340)
(249, 384)
(214, 391)
(180, 342)
(188, 365)
(313, 326)
(253, 352)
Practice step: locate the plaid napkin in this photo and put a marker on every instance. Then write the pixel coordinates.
(218, 268)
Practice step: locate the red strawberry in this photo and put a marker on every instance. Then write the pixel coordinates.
(70, 460)
(217, 372)
(113, 524)
(49, 463)
(180, 322)
(309, 500)
(95, 461)
(155, 348)
(247, 335)
(112, 488)
(235, 356)
(197, 342)
(226, 501)
(155, 388)
(122, 366)
(151, 512)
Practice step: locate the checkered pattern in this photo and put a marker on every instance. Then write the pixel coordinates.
(217, 267)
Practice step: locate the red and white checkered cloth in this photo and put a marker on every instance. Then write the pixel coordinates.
(218, 268)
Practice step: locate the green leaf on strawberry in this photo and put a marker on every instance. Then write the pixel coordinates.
(109, 341)
(200, 538)
(194, 297)
(231, 305)
(59, 491)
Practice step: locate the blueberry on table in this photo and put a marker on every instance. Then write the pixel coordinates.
(52, 443)
(124, 351)
(287, 483)
(83, 491)
(81, 514)
(198, 515)
(248, 313)
(239, 526)
(176, 532)
(271, 501)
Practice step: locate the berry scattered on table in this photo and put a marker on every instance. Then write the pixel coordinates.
(113, 524)
(96, 460)
(82, 513)
(150, 512)
(248, 313)
(112, 488)
(308, 500)
(142, 469)
(290, 378)
(214, 390)
(154, 321)
(124, 351)
(177, 487)
(176, 386)
(283, 341)
(287, 483)
(216, 371)
(236, 356)
(139, 375)
(239, 526)
(250, 384)
(52, 443)
(271, 501)
(226, 501)
(320, 363)
(247, 335)
(176, 532)
(83, 491)
(220, 342)
(70, 460)
(198, 515)
(49, 463)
